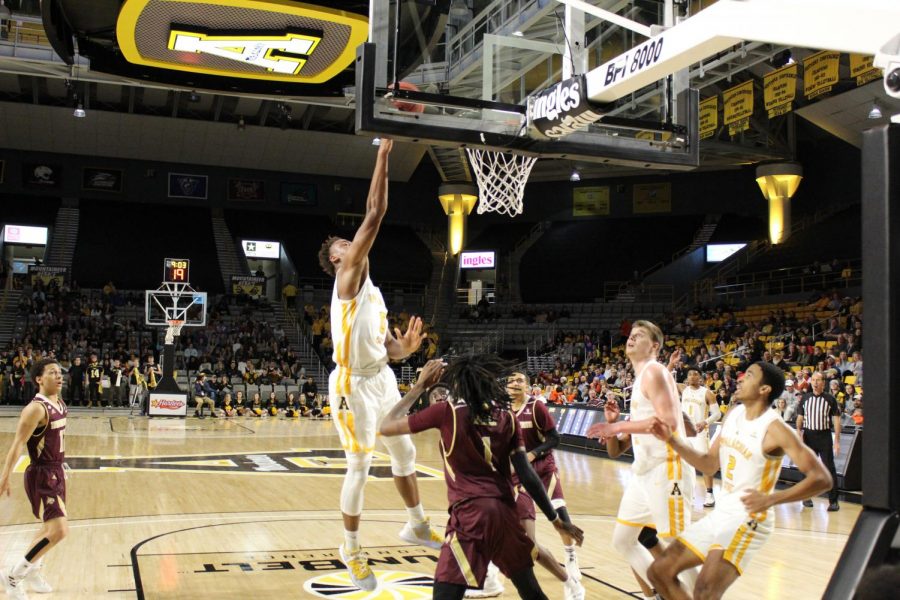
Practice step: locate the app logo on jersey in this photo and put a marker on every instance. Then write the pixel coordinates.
(270, 40)
(401, 585)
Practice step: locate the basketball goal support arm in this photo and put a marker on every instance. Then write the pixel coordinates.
(862, 27)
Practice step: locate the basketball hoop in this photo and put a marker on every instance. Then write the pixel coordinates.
(501, 180)
(174, 330)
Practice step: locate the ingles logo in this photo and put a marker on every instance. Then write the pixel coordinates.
(561, 109)
(269, 40)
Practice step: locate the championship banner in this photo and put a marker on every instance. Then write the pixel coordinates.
(248, 286)
(246, 190)
(47, 275)
(779, 90)
(102, 180)
(652, 198)
(862, 68)
(183, 185)
(41, 175)
(561, 109)
(820, 73)
(738, 107)
(590, 201)
(709, 117)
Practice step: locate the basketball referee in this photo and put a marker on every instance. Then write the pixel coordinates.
(816, 409)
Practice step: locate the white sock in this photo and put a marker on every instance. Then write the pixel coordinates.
(416, 514)
(351, 540)
(569, 549)
(20, 570)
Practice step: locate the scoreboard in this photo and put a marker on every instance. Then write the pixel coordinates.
(177, 270)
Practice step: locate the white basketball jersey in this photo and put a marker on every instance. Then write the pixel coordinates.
(693, 402)
(358, 329)
(648, 450)
(741, 458)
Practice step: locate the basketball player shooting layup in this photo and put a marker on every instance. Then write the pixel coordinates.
(749, 452)
(655, 495)
(362, 389)
(41, 428)
(479, 436)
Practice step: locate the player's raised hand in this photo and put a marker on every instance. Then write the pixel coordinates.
(674, 358)
(661, 429)
(755, 501)
(431, 372)
(570, 529)
(385, 147)
(611, 410)
(412, 339)
(4, 487)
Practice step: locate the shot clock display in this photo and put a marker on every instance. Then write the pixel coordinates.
(177, 270)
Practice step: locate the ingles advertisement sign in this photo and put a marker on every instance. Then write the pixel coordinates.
(482, 259)
(265, 40)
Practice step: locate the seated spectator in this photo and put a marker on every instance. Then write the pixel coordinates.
(202, 396)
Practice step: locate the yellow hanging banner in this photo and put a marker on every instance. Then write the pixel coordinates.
(738, 107)
(709, 117)
(779, 90)
(590, 201)
(652, 198)
(820, 73)
(862, 68)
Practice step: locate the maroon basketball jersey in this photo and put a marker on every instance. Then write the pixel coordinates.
(47, 445)
(476, 457)
(535, 421)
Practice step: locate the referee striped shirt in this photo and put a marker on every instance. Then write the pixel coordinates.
(817, 411)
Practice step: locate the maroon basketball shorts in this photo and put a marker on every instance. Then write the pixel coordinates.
(483, 530)
(524, 504)
(45, 486)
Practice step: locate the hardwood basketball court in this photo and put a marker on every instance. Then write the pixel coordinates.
(248, 508)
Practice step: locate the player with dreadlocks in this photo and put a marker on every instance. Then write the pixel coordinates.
(479, 436)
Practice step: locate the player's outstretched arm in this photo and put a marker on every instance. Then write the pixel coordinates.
(615, 445)
(396, 421)
(30, 419)
(780, 437)
(376, 207)
(665, 404)
(535, 489)
(400, 345)
(707, 463)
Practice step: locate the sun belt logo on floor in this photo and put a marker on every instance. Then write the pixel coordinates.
(396, 585)
(268, 40)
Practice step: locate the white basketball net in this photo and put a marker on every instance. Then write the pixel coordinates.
(501, 180)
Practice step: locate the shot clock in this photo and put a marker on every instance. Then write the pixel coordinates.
(177, 270)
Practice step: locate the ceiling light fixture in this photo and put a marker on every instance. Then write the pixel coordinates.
(575, 176)
(79, 111)
(240, 124)
(518, 33)
(875, 111)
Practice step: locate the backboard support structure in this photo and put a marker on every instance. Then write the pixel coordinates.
(175, 304)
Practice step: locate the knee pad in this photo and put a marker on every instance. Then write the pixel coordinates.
(647, 537)
(354, 482)
(403, 456)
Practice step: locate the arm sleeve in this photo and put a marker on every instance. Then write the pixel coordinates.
(532, 484)
(428, 418)
(551, 441)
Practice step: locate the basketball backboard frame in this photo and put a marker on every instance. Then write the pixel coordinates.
(176, 301)
(460, 122)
